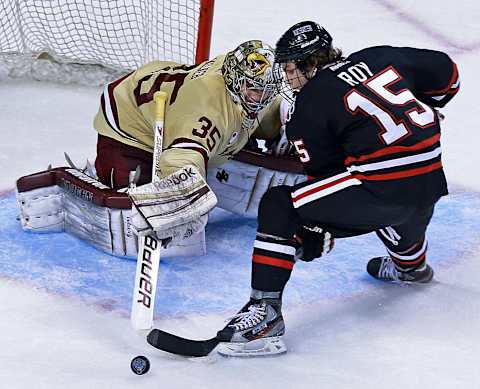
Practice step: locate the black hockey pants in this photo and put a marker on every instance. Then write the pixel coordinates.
(348, 212)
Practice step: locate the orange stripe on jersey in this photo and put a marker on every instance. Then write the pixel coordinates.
(394, 149)
(401, 174)
(410, 249)
(416, 261)
(264, 260)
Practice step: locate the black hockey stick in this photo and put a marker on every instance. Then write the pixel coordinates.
(181, 346)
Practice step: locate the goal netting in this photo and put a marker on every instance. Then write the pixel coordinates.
(38, 37)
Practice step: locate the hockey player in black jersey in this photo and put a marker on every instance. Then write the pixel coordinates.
(368, 134)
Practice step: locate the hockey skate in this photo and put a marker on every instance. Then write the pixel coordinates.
(383, 268)
(256, 330)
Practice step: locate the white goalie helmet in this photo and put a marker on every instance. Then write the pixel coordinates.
(251, 75)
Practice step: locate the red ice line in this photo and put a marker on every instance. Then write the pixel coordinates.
(421, 25)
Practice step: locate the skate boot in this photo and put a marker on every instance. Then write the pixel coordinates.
(256, 330)
(383, 268)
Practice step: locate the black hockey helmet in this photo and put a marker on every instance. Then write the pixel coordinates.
(302, 40)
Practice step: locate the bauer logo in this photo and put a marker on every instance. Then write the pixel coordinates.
(145, 288)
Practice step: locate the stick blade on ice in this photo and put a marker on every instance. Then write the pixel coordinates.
(181, 346)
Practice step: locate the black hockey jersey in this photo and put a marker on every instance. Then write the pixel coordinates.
(372, 115)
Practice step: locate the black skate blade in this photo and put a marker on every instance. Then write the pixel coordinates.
(181, 346)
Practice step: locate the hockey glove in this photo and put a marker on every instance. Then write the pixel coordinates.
(315, 242)
(174, 207)
(172, 235)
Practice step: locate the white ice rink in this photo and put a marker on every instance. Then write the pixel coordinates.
(391, 337)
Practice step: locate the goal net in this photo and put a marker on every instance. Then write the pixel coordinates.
(41, 37)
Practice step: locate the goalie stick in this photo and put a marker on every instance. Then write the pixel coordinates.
(148, 259)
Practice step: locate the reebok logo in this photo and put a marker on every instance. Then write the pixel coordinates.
(176, 178)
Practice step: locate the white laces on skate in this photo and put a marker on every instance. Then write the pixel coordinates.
(388, 270)
(255, 314)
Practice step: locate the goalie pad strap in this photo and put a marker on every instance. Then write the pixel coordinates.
(282, 164)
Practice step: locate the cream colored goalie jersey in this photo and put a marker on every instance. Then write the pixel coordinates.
(203, 125)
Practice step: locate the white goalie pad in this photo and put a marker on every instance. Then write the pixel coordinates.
(174, 206)
(239, 186)
(64, 199)
(41, 209)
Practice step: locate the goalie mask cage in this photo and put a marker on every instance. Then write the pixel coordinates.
(79, 40)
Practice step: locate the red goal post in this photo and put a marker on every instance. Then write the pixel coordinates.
(204, 36)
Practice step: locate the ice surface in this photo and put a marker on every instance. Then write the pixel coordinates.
(217, 282)
(64, 305)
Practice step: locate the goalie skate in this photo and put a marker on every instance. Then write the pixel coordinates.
(256, 330)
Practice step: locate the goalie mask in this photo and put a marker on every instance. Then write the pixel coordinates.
(251, 76)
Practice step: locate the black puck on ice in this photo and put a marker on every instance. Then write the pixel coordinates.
(140, 365)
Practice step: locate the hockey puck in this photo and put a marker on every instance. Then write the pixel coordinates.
(140, 365)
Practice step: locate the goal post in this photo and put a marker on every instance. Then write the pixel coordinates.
(204, 35)
(41, 36)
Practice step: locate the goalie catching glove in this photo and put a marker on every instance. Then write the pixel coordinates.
(315, 242)
(174, 207)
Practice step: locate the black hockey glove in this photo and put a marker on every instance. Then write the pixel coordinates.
(315, 242)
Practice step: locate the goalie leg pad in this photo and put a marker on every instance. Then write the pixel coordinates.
(41, 209)
(65, 200)
(239, 186)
